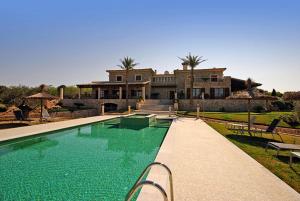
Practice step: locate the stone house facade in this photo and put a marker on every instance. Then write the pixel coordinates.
(146, 83)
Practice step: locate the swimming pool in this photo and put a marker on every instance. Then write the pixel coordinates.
(98, 161)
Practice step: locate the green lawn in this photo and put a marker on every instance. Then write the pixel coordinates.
(254, 146)
(261, 118)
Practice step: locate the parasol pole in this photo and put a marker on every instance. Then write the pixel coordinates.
(41, 115)
(249, 116)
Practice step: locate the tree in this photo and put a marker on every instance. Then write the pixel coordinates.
(192, 61)
(274, 93)
(127, 64)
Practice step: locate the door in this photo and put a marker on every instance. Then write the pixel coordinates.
(172, 95)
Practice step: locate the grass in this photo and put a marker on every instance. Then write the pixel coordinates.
(261, 118)
(255, 147)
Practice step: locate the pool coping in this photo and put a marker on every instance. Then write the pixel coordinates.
(22, 132)
(207, 166)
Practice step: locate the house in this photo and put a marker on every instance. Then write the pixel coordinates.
(146, 83)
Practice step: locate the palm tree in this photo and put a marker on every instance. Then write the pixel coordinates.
(127, 65)
(192, 61)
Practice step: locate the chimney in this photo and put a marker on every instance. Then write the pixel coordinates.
(184, 66)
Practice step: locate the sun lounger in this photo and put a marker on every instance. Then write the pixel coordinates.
(283, 146)
(270, 130)
(294, 155)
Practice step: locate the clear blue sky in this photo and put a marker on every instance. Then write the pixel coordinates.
(70, 42)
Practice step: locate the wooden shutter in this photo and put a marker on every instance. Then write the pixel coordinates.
(212, 93)
(226, 92)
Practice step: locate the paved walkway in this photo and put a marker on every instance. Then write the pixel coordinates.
(7, 134)
(206, 166)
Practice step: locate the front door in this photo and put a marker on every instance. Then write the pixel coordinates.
(172, 95)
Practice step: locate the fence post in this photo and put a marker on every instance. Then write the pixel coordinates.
(170, 110)
(198, 109)
(102, 109)
(129, 109)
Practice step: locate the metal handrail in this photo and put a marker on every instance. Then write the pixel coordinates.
(151, 183)
(146, 170)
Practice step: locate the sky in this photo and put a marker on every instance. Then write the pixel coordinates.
(70, 42)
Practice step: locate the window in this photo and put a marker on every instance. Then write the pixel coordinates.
(119, 78)
(219, 92)
(214, 78)
(197, 92)
(138, 77)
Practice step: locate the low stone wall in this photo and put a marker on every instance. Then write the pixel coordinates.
(95, 103)
(216, 105)
(76, 114)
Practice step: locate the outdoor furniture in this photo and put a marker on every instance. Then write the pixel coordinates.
(45, 114)
(19, 115)
(240, 126)
(271, 129)
(294, 155)
(282, 146)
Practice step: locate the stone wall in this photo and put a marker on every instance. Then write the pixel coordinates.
(76, 114)
(216, 105)
(95, 103)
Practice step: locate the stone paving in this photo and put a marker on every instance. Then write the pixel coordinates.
(206, 166)
(7, 134)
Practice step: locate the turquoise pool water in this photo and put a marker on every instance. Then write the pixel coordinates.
(99, 161)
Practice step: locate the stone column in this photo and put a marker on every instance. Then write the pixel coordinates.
(79, 93)
(144, 92)
(120, 92)
(149, 91)
(61, 93)
(99, 93)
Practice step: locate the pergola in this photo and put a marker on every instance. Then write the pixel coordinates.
(99, 86)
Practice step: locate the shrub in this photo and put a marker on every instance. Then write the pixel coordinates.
(259, 109)
(222, 109)
(291, 120)
(282, 105)
(59, 104)
(297, 110)
(78, 105)
(3, 108)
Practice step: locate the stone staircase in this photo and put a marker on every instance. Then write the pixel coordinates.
(156, 106)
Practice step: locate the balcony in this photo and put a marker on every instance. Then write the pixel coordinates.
(164, 81)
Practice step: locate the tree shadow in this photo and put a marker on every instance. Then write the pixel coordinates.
(251, 140)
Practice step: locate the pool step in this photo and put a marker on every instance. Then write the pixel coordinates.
(155, 107)
(154, 112)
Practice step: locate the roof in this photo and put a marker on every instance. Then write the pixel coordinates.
(107, 83)
(239, 84)
(42, 95)
(204, 69)
(135, 69)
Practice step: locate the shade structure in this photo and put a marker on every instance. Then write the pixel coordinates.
(42, 96)
(252, 94)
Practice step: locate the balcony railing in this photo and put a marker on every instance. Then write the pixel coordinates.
(207, 79)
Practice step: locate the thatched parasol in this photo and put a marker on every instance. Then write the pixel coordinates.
(250, 94)
(41, 96)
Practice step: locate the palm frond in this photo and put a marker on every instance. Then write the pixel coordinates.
(127, 63)
(193, 61)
